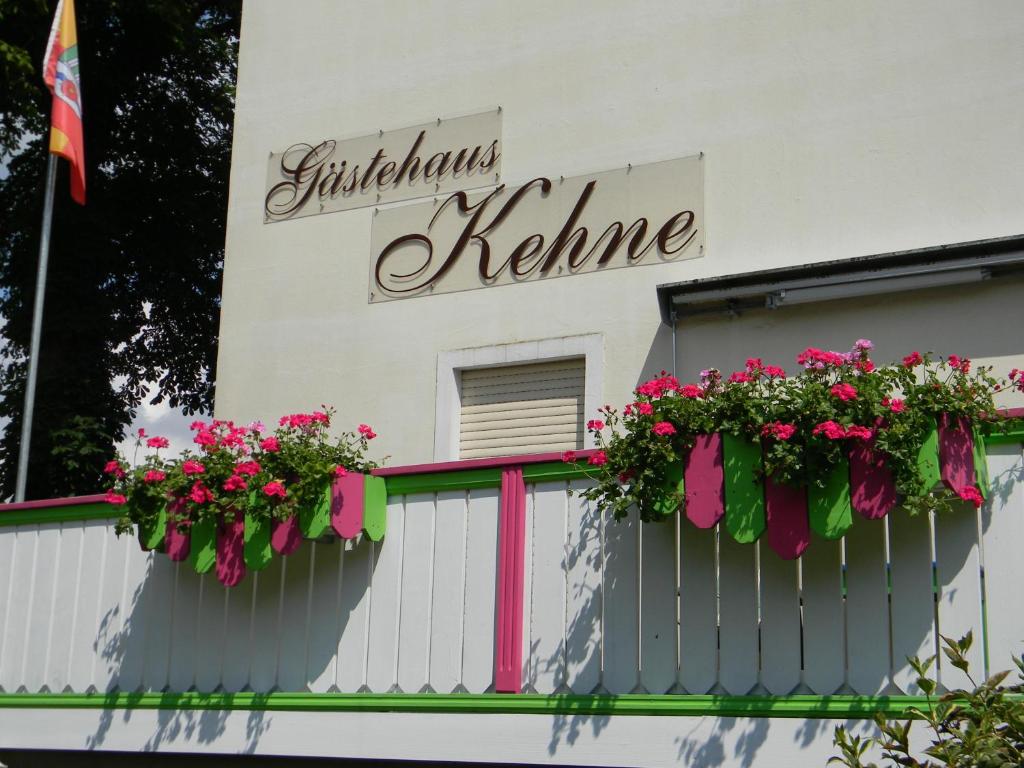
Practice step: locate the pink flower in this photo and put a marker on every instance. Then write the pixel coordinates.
(367, 432)
(247, 468)
(258, 427)
(595, 425)
(818, 359)
(113, 467)
(154, 476)
(569, 457)
(754, 364)
(830, 429)
(340, 471)
(320, 417)
(192, 467)
(205, 437)
(844, 392)
(691, 390)
(275, 488)
(598, 459)
(896, 405)
(860, 433)
(197, 424)
(628, 410)
(962, 364)
(778, 430)
(971, 494)
(142, 432)
(270, 445)
(740, 377)
(914, 358)
(157, 442)
(656, 388)
(644, 409)
(115, 498)
(774, 372)
(235, 483)
(200, 494)
(863, 345)
(663, 428)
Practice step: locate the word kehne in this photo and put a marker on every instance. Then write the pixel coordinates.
(529, 256)
(317, 172)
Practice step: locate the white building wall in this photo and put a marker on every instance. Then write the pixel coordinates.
(829, 129)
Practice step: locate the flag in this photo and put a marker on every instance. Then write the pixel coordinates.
(60, 71)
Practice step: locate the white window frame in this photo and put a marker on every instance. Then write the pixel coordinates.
(448, 405)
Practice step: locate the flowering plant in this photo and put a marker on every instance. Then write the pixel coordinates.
(269, 474)
(805, 425)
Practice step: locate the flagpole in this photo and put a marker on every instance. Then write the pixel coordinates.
(37, 328)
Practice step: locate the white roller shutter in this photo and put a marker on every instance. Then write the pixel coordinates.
(532, 408)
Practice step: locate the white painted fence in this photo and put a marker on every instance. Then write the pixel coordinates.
(84, 610)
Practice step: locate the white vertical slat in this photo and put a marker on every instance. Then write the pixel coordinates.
(62, 627)
(108, 646)
(449, 589)
(353, 614)
(210, 627)
(958, 571)
(417, 583)
(698, 629)
(184, 630)
(867, 608)
(241, 625)
(527, 676)
(296, 609)
(385, 603)
(8, 563)
(913, 605)
(160, 604)
(737, 608)
(583, 629)
(322, 631)
(1003, 527)
(822, 592)
(620, 620)
(264, 631)
(658, 605)
(131, 636)
(37, 629)
(18, 607)
(84, 640)
(780, 623)
(481, 581)
(547, 602)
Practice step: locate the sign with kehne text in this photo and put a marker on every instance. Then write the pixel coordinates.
(644, 214)
(433, 158)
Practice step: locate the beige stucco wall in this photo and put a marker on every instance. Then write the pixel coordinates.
(830, 130)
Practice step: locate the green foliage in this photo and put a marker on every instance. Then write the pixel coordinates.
(805, 425)
(982, 727)
(133, 288)
(269, 475)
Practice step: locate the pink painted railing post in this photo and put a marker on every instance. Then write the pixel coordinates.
(508, 656)
(956, 453)
(704, 481)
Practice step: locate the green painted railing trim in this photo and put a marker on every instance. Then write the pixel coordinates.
(437, 482)
(202, 555)
(256, 549)
(928, 461)
(375, 507)
(744, 492)
(64, 514)
(553, 472)
(315, 521)
(671, 500)
(796, 706)
(829, 508)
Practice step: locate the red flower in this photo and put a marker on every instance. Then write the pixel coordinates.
(340, 471)
(595, 425)
(142, 432)
(154, 476)
(200, 494)
(569, 457)
(754, 364)
(663, 428)
(690, 390)
(645, 409)
(914, 358)
(113, 467)
(844, 392)
(205, 437)
(115, 498)
(247, 468)
(774, 372)
(367, 432)
(235, 483)
(598, 459)
(740, 377)
(157, 442)
(275, 488)
(896, 405)
(270, 445)
(778, 430)
(192, 467)
(861, 433)
(830, 429)
(962, 364)
(971, 494)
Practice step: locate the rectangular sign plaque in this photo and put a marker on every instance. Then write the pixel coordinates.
(644, 214)
(429, 159)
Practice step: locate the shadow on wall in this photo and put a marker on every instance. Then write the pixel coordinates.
(184, 632)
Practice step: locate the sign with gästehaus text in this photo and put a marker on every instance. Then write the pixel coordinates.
(644, 214)
(434, 158)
